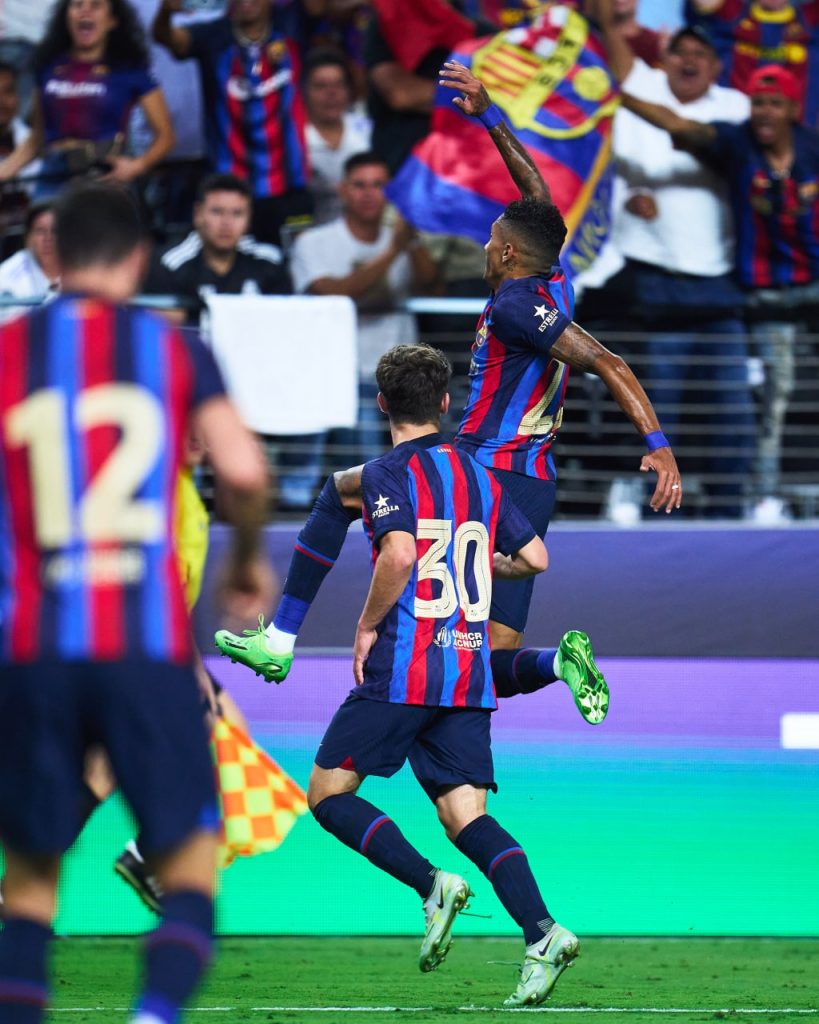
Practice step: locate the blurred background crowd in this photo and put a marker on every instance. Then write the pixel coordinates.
(259, 137)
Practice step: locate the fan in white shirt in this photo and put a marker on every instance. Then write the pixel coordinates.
(335, 131)
(32, 273)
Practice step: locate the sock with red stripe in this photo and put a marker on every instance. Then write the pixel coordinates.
(176, 955)
(23, 987)
(366, 830)
(523, 671)
(504, 863)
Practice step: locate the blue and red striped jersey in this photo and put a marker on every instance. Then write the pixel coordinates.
(746, 36)
(776, 217)
(433, 645)
(255, 118)
(515, 403)
(94, 405)
(81, 100)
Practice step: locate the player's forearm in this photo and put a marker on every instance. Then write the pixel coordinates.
(247, 512)
(579, 350)
(521, 166)
(390, 577)
(529, 561)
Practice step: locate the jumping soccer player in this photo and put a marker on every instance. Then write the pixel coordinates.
(525, 344)
(424, 689)
(95, 401)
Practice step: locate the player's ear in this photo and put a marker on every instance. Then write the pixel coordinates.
(445, 404)
(381, 402)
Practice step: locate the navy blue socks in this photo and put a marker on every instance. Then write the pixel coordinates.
(504, 863)
(522, 671)
(366, 830)
(23, 988)
(176, 955)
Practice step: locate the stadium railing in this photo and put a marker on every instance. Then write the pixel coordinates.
(597, 451)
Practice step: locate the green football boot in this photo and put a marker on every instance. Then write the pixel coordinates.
(576, 667)
(447, 899)
(543, 964)
(253, 649)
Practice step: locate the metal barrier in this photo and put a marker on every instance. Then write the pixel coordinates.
(714, 418)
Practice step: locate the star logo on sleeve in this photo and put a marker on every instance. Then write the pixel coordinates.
(548, 316)
(382, 507)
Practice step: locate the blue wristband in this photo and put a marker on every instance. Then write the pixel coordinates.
(656, 440)
(491, 117)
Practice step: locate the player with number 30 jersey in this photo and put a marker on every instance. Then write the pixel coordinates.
(433, 646)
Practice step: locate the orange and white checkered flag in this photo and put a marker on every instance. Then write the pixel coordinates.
(260, 802)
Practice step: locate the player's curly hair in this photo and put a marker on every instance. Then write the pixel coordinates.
(539, 227)
(413, 380)
(126, 45)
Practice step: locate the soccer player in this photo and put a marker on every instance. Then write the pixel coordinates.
(439, 525)
(95, 648)
(524, 347)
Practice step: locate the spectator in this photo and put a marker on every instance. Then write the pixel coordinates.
(644, 43)
(407, 42)
(771, 165)
(255, 119)
(750, 33)
(672, 222)
(91, 68)
(33, 272)
(218, 257)
(378, 267)
(334, 131)
(13, 131)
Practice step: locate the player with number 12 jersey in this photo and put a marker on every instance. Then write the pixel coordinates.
(95, 403)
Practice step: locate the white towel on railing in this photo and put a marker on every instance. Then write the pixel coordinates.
(289, 362)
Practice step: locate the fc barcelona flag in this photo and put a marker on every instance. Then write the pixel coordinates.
(551, 81)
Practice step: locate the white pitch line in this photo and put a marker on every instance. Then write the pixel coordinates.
(461, 1009)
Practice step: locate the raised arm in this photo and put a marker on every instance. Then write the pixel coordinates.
(578, 349)
(620, 54)
(474, 101)
(692, 136)
(173, 37)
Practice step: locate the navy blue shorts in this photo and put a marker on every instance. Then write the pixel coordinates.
(445, 746)
(536, 499)
(146, 715)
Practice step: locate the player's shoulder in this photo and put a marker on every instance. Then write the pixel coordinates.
(515, 296)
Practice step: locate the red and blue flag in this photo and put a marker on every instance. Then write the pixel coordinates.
(551, 80)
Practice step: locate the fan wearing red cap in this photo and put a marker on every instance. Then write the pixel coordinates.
(771, 165)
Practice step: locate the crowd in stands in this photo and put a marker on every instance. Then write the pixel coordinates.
(259, 135)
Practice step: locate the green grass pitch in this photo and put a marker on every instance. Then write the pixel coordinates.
(373, 980)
